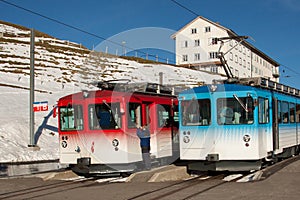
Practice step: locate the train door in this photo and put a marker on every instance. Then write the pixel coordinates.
(275, 128)
(174, 130)
(147, 115)
(265, 129)
(149, 121)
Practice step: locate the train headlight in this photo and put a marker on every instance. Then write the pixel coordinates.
(186, 139)
(213, 88)
(85, 94)
(64, 144)
(115, 142)
(246, 138)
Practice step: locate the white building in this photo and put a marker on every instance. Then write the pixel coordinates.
(196, 47)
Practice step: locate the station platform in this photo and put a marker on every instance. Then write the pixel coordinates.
(160, 174)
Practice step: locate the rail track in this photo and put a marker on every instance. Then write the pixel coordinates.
(187, 189)
(40, 191)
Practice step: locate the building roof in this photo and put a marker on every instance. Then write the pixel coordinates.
(230, 33)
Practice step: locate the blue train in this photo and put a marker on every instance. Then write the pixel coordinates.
(239, 126)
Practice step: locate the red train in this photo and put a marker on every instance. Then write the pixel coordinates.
(97, 129)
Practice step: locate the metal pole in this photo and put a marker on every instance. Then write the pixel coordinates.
(161, 76)
(124, 48)
(31, 112)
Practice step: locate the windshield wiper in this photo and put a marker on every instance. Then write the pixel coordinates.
(111, 113)
(240, 102)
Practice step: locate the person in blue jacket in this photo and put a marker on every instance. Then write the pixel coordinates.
(144, 134)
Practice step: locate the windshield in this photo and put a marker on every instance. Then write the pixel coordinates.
(233, 111)
(104, 116)
(195, 112)
(71, 118)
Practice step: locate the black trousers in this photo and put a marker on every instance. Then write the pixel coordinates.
(145, 149)
(146, 157)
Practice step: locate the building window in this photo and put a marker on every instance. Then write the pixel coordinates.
(207, 29)
(213, 55)
(214, 69)
(194, 30)
(236, 72)
(197, 56)
(185, 44)
(197, 43)
(184, 58)
(236, 59)
(214, 41)
(230, 56)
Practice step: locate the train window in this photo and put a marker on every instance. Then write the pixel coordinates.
(104, 116)
(279, 112)
(134, 115)
(298, 113)
(263, 110)
(71, 118)
(292, 113)
(237, 110)
(285, 111)
(163, 115)
(196, 112)
(176, 116)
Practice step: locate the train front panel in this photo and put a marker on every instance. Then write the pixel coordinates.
(220, 127)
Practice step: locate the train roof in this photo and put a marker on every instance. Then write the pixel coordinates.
(217, 88)
(244, 84)
(108, 93)
(94, 93)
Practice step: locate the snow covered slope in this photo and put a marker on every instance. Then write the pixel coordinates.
(61, 68)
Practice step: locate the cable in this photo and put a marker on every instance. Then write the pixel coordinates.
(290, 69)
(185, 8)
(52, 19)
(79, 29)
(189, 10)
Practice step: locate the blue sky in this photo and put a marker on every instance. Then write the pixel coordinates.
(273, 24)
